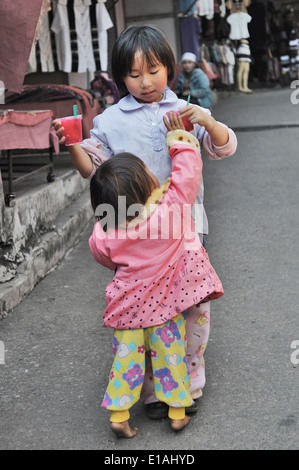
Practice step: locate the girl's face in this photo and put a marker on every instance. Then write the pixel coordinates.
(146, 83)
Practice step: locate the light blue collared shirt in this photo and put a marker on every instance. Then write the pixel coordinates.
(138, 128)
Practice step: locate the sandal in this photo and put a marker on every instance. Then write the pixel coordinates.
(157, 410)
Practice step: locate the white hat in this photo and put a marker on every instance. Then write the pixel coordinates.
(189, 56)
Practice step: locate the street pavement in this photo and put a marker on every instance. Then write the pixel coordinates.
(58, 356)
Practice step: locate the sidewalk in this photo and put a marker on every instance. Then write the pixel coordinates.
(58, 357)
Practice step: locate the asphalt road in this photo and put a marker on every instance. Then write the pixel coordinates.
(58, 357)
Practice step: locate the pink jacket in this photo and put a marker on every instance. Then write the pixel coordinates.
(162, 267)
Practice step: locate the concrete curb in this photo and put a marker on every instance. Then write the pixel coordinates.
(47, 253)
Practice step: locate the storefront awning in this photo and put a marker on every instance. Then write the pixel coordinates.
(18, 21)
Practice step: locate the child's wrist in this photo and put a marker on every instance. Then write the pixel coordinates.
(210, 125)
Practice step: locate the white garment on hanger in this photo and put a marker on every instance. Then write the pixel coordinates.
(84, 38)
(230, 59)
(284, 61)
(60, 26)
(238, 25)
(42, 36)
(103, 24)
(32, 65)
(205, 7)
(222, 9)
(45, 48)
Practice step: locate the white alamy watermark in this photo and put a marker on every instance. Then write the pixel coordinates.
(2, 92)
(170, 223)
(2, 353)
(295, 93)
(295, 353)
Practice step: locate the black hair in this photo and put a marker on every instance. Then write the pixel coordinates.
(123, 174)
(154, 45)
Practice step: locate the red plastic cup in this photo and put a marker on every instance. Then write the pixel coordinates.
(72, 129)
(188, 125)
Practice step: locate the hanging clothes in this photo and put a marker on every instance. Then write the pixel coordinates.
(230, 60)
(45, 47)
(219, 7)
(205, 7)
(187, 6)
(60, 26)
(257, 28)
(294, 54)
(43, 40)
(239, 25)
(104, 23)
(32, 63)
(84, 40)
(190, 29)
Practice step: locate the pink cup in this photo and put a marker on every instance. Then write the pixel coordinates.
(188, 126)
(72, 129)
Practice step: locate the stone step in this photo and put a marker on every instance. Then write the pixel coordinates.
(45, 223)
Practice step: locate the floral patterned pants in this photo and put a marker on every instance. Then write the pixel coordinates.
(197, 330)
(170, 373)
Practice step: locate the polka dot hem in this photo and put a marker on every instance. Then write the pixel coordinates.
(144, 303)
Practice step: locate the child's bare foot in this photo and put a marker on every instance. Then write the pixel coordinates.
(124, 430)
(178, 424)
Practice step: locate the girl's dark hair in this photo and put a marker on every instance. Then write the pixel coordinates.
(154, 45)
(123, 174)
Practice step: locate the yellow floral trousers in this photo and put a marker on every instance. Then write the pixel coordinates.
(166, 343)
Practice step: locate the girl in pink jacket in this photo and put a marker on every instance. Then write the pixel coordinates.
(142, 64)
(161, 268)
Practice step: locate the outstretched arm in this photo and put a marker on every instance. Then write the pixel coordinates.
(184, 150)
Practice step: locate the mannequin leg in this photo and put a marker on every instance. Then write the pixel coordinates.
(242, 76)
(246, 76)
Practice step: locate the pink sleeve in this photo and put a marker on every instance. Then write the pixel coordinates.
(96, 152)
(186, 172)
(216, 153)
(97, 248)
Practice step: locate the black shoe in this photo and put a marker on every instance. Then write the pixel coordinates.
(190, 410)
(157, 410)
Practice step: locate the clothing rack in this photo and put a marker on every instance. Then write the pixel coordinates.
(44, 59)
(185, 13)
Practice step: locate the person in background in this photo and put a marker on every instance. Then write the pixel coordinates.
(194, 82)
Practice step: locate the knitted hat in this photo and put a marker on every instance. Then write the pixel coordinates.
(189, 56)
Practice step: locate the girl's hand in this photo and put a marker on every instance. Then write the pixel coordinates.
(174, 121)
(218, 133)
(59, 129)
(195, 115)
